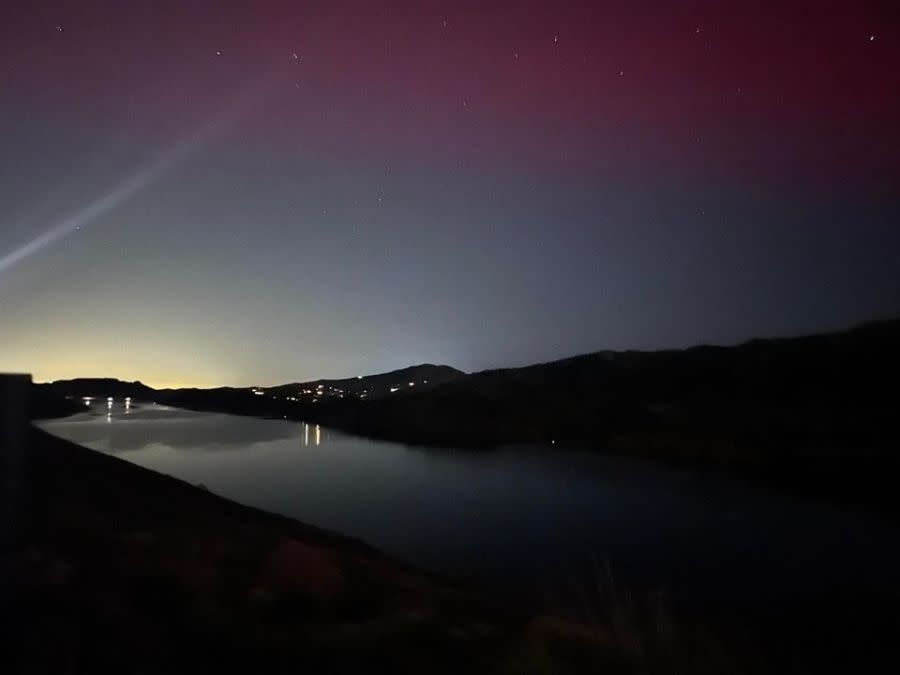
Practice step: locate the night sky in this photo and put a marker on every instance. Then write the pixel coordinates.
(205, 193)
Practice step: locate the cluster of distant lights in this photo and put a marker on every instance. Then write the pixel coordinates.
(320, 392)
(318, 430)
(88, 400)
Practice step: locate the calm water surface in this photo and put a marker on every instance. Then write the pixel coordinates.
(514, 516)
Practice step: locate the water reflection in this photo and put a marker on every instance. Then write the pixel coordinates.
(513, 515)
(129, 428)
(318, 437)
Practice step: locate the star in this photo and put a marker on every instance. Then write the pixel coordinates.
(556, 39)
(218, 53)
(871, 38)
(59, 29)
(621, 73)
(296, 57)
(444, 23)
(516, 55)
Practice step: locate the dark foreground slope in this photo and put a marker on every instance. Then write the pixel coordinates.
(117, 569)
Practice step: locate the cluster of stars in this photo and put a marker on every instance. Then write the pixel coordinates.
(465, 103)
(871, 37)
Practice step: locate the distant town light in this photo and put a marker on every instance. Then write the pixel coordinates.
(412, 384)
(393, 389)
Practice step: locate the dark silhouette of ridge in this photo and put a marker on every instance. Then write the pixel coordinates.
(423, 376)
(817, 409)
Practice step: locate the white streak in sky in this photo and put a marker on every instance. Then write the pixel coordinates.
(142, 178)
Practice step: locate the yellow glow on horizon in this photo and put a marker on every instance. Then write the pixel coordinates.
(89, 369)
(160, 362)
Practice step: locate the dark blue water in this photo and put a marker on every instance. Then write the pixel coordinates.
(519, 516)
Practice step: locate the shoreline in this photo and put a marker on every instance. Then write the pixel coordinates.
(121, 547)
(130, 550)
(836, 477)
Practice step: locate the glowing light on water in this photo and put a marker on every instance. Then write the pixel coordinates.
(318, 435)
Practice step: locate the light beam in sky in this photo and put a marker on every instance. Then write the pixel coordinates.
(142, 178)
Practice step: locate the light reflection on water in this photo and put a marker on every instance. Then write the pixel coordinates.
(514, 515)
(318, 436)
